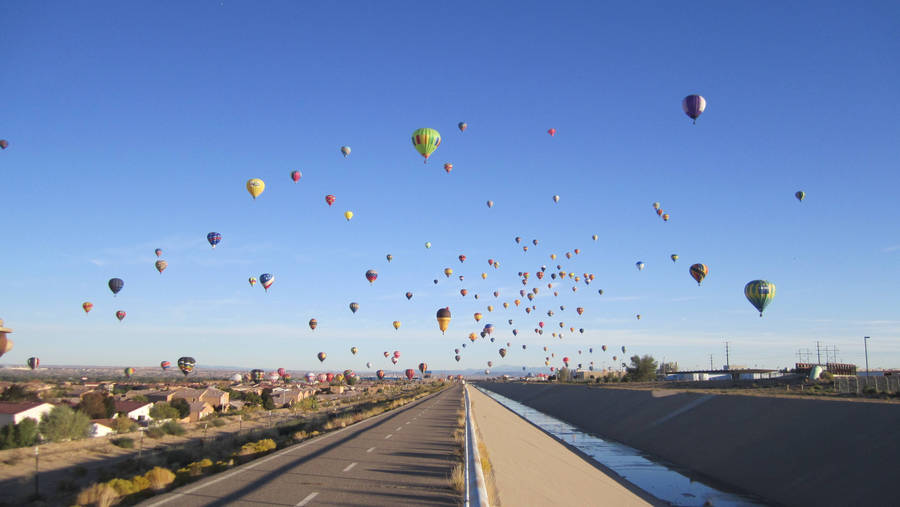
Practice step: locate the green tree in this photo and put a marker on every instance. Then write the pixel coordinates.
(95, 406)
(163, 410)
(24, 434)
(267, 402)
(124, 424)
(63, 423)
(183, 407)
(252, 398)
(17, 393)
(140, 398)
(642, 369)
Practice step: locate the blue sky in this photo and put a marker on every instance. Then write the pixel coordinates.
(135, 126)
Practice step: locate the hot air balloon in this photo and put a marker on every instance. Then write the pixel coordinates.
(115, 285)
(457, 357)
(396, 324)
(443, 318)
(410, 373)
(87, 306)
(462, 126)
(395, 360)
(448, 167)
(389, 257)
(3, 143)
(760, 293)
(477, 316)
(372, 275)
(128, 372)
(659, 212)
(490, 364)
(638, 316)
(33, 362)
(186, 365)
(800, 195)
(555, 198)
(699, 272)
(266, 279)
(640, 265)
(674, 257)
(354, 307)
(345, 150)
(165, 365)
(252, 281)
(348, 215)
(472, 337)
(448, 272)
(502, 352)
(313, 323)
(321, 356)
(214, 238)
(426, 141)
(255, 186)
(552, 132)
(693, 106)
(329, 199)
(158, 252)
(380, 374)
(296, 175)
(423, 367)
(665, 217)
(579, 310)
(257, 376)
(409, 295)
(368, 364)
(354, 350)
(428, 244)
(490, 204)
(120, 315)
(310, 377)
(161, 265)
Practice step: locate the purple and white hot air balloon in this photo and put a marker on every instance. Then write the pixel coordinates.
(693, 106)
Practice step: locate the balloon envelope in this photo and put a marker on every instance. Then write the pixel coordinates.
(255, 186)
(214, 238)
(760, 293)
(186, 364)
(115, 285)
(426, 140)
(693, 106)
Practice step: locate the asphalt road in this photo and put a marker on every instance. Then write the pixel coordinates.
(401, 457)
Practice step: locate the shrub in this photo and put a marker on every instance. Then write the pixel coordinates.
(156, 432)
(124, 442)
(218, 422)
(101, 495)
(258, 447)
(181, 404)
(159, 478)
(163, 410)
(173, 428)
(123, 487)
(123, 424)
(63, 423)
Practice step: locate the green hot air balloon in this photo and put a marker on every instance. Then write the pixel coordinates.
(760, 293)
(426, 141)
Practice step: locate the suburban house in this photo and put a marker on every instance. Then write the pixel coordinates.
(137, 410)
(199, 410)
(288, 396)
(215, 397)
(187, 394)
(157, 396)
(102, 427)
(14, 413)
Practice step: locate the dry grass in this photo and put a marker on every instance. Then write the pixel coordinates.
(488, 472)
(100, 495)
(457, 478)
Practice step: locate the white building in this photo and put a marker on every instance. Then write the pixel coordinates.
(15, 412)
(102, 427)
(137, 410)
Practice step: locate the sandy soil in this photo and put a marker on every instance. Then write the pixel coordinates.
(531, 468)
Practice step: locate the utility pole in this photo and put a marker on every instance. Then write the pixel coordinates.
(711, 363)
(727, 357)
(36, 483)
(818, 354)
(865, 344)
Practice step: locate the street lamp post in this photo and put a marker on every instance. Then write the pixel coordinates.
(866, 346)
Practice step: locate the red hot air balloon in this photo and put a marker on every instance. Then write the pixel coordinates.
(552, 132)
(566, 360)
(120, 315)
(329, 377)
(396, 354)
(372, 275)
(296, 175)
(329, 199)
(281, 372)
(410, 373)
(448, 167)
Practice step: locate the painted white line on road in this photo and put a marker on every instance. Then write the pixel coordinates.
(350, 466)
(398, 429)
(308, 499)
(389, 436)
(370, 449)
(407, 422)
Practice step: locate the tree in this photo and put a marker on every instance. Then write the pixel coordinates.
(63, 423)
(23, 434)
(642, 369)
(252, 398)
(183, 407)
(96, 407)
(123, 424)
(163, 410)
(564, 375)
(17, 393)
(267, 402)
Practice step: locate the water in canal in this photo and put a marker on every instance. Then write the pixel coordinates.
(664, 482)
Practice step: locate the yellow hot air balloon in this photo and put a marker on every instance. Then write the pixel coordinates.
(477, 316)
(348, 215)
(396, 324)
(483, 276)
(448, 272)
(255, 186)
(443, 318)
(490, 308)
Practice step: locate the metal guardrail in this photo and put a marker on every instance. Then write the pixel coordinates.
(476, 490)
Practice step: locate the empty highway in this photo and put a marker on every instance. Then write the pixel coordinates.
(401, 457)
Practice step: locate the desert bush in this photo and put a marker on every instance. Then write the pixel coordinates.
(124, 442)
(63, 423)
(258, 447)
(159, 478)
(124, 424)
(156, 432)
(100, 495)
(173, 428)
(218, 422)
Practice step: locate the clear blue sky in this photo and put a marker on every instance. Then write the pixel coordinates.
(134, 126)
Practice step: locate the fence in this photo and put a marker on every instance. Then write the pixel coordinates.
(859, 384)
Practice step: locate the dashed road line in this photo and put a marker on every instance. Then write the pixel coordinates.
(350, 467)
(370, 449)
(389, 436)
(308, 499)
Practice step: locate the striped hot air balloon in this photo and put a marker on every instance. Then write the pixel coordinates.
(693, 106)
(426, 140)
(699, 272)
(760, 293)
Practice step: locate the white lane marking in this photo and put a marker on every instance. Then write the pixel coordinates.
(407, 422)
(389, 436)
(350, 466)
(308, 499)
(370, 449)
(400, 428)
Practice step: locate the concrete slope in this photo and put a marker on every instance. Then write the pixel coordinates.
(402, 457)
(786, 451)
(532, 468)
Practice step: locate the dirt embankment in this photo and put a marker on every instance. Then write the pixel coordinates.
(787, 451)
